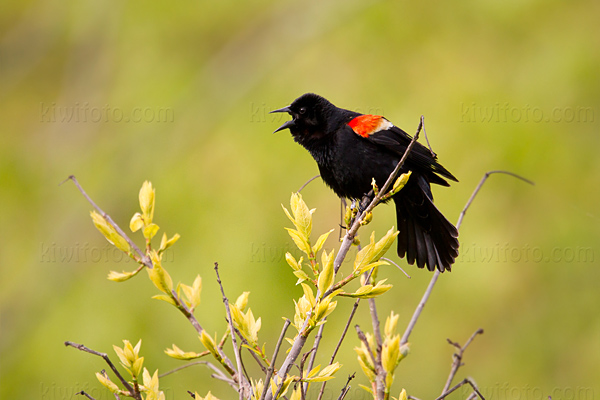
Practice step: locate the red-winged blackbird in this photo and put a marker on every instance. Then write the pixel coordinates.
(351, 149)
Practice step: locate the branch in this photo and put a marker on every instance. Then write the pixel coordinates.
(313, 356)
(291, 357)
(436, 274)
(204, 353)
(363, 338)
(236, 349)
(83, 393)
(144, 259)
(420, 306)
(458, 358)
(272, 366)
(307, 182)
(259, 361)
(346, 387)
(481, 182)
(458, 385)
(344, 332)
(380, 373)
(126, 384)
(396, 265)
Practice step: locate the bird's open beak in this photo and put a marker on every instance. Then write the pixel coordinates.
(286, 124)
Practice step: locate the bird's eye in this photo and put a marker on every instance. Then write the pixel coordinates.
(302, 110)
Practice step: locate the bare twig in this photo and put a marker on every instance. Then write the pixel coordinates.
(105, 375)
(126, 384)
(186, 365)
(314, 350)
(481, 182)
(436, 274)
(83, 393)
(363, 338)
(344, 332)
(346, 387)
(186, 312)
(258, 360)
(293, 354)
(339, 344)
(307, 182)
(274, 358)
(396, 265)
(428, 145)
(144, 259)
(380, 373)
(419, 309)
(457, 363)
(236, 349)
(458, 385)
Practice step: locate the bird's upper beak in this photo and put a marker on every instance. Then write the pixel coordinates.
(286, 124)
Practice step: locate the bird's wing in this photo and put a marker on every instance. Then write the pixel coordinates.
(382, 132)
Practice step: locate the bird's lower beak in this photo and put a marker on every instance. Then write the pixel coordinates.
(287, 124)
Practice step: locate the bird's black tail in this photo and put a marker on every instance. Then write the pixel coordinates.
(425, 236)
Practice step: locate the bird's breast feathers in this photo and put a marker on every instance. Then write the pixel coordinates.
(366, 125)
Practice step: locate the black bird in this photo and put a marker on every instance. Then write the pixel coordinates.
(352, 148)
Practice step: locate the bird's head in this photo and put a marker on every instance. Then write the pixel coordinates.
(309, 116)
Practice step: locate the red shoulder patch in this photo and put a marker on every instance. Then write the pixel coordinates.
(365, 125)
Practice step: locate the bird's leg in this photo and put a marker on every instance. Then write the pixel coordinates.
(366, 200)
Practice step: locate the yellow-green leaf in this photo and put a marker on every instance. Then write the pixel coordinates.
(320, 242)
(166, 298)
(122, 276)
(136, 222)
(147, 201)
(300, 240)
(110, 385)
(400, 182)
(179, 354)
(160, 277)
(166, 243)
(325, 280)
(150, 230)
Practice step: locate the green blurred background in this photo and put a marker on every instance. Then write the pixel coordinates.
(178, 93)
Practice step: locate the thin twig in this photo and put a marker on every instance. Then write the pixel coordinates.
(307, 182)
(105, 375)
(481, 182)
(346, 387)
(428, 145)
(380, 373)
(313, 356)
(419, 309)
(144, 259)
(258, 360)
(436, 274)
(126, 384)
(396, 265)
(83, 393)
(274, 358)
(236, 348)
(186, 312)
(186, 365)
(363, 338)
(458, 385)
(344, 332)
(457, 363)
(293, 354)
